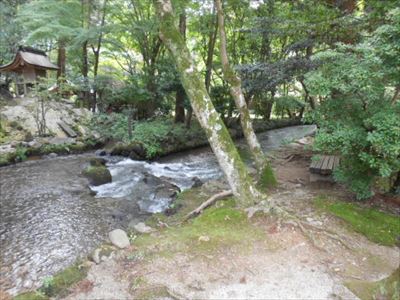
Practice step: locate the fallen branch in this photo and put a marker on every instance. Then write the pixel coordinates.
(207, 203)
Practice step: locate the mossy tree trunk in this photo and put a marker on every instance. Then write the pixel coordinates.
(217, 134)
(236, 91)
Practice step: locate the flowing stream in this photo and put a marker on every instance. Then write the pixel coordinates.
(49, 217)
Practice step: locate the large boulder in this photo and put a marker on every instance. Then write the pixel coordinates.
(97, 175)
(119, 238)
(97, 161)
(156, 193)
(135, 150)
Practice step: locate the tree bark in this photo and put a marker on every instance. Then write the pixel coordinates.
(180, 92)
(210, 52)
(61, 58)
(217, 134)
(96, 53)
(236, 91)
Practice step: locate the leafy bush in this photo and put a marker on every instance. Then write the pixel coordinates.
(359, 116)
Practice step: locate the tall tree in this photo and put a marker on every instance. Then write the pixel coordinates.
(217, 134)
(236, 91)
(180, 92)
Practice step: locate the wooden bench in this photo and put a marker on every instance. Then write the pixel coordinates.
(322, 167)
(68, 130)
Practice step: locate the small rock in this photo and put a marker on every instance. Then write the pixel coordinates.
(196, 182)
(28, 284)
(52, 155)
(143, 228)
(14, 144)
(119, 238)
(101, 152)
(34, 144)
(96, 255)
(204, 238)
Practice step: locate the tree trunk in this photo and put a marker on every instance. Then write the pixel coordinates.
(189, 115)
(61, 58)
(217, 134)
(236, 91)
(96, 53)
(179, 106)
(180, 93)
(210, 52)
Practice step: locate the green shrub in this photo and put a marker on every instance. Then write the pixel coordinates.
(359, 117)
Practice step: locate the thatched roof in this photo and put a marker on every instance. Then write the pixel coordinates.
(29, 56)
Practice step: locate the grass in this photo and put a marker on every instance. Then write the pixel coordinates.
(377, 226)
(57, 285)
(219, 226)
(267, 179)
(387, 288)
(60, 283)
(31, 296)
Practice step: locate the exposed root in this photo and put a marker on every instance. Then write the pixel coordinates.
(207, 203)
(306, 228)
(309, 234)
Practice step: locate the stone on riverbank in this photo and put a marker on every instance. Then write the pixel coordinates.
(119, 238)
(143, 228)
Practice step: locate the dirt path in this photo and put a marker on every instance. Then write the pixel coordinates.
(278, 262)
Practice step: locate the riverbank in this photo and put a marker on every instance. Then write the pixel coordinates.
(77, 220)
(159, 138)
(231, 253)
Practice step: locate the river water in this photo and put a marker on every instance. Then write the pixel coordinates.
(49, 217)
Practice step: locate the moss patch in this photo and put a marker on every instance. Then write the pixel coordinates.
(31, 296)
(219, 226)
(60, 283)
(378, 227)
(267, 179)
(387, 288)
(97, 175)
(153, 292)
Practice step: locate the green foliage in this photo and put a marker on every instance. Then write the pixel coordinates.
(358, 119)
(20, 153)
(290, 104)
(377, 226)
(158, 136)
(60, 283)
(151, 134)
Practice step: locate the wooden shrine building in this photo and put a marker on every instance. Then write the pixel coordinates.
(28, 65)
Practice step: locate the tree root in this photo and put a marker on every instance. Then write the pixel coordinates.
(207, 203)
(306, 228)
(308, 233)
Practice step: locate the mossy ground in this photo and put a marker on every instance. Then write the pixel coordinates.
(57, 285)
(267, 179)
(377, 226)
(219, 226)
(31, 296)
(387, 288)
